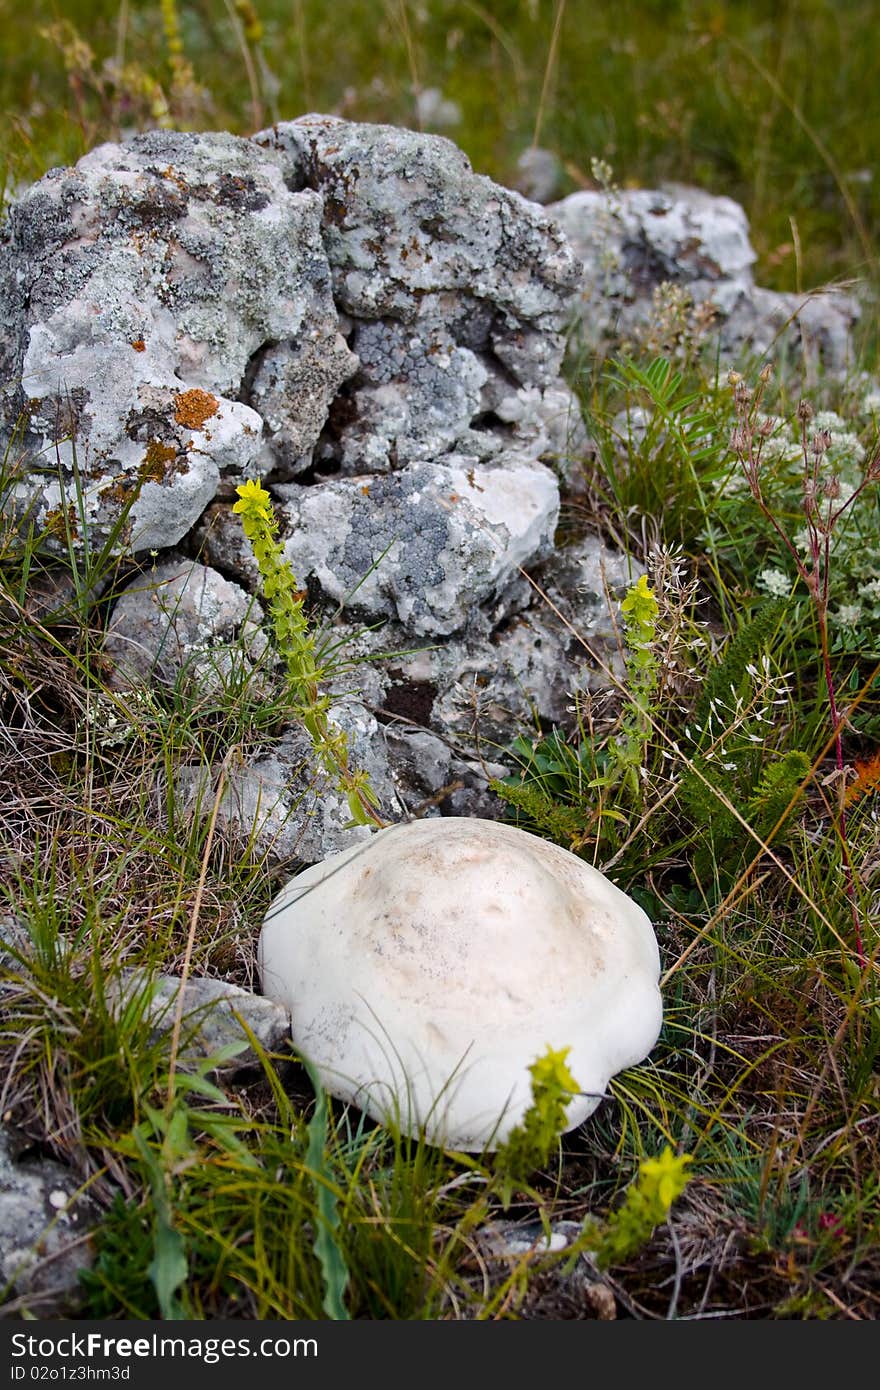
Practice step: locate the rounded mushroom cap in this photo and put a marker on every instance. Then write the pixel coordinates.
(428, 969)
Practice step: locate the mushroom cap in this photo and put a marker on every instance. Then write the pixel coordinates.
(426, 970)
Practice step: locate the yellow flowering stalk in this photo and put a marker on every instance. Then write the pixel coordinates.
(529, 1145)
(296, 645)
(640, 611)
(646, 1205)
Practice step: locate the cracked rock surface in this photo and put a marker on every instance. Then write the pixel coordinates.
(181, 616)
(425, 545)
(44, 1231)
(213, 1012)
(632, 241)
(185, 308)
(135, 290)
(352, 314)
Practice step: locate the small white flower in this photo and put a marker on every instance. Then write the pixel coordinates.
(827, 420)
(871, 401)
(802, 541)
(847, 489)
(848, 614)
(779, 448)
(774, 582)
(848, 447)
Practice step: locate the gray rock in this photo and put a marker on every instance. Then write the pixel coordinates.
(213, 1012)
(514, 675)
(631, 242)
(220, 542)
(433, 778)
(814, 328)
(425, 545)
(292, 389)
(138, 290)
(511, 670)
(548, 425)
(516, 664)
(181, 616)
(45, 1223)
(15, 943)
(413, 234)
(561, 1285)
(413, 399)
(446, 279)
(538, 174)
(167, 316)
(286, 807)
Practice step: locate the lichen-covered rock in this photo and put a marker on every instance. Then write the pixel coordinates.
(138, 290)
(413, 399)
(177, 308)
(816, 328)
(519, 658)
(426, 544)
(529, 671)
(212, 1018)
(282, 804)
(633, 241)
(181, 616)
(447, 280)
(413, 234)
(44, 1233)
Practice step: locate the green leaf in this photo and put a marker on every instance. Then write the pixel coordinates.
(334, 1270)
(168, 1268)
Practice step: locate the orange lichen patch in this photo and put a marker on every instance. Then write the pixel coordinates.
(62, 523)
(116, 492)
(193, 408)
(156, 461)
(172, 176)
(139, 345)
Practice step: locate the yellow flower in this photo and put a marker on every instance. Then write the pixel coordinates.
(665, 1175)
(551, 1072)
(254, 500)
(640, 602)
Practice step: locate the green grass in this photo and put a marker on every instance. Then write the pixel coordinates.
(250, 1201)
(773, 104)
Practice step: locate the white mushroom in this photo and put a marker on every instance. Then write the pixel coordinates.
(426, 970)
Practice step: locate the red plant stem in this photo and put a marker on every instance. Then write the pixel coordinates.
(816, 579)
(848, 872)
